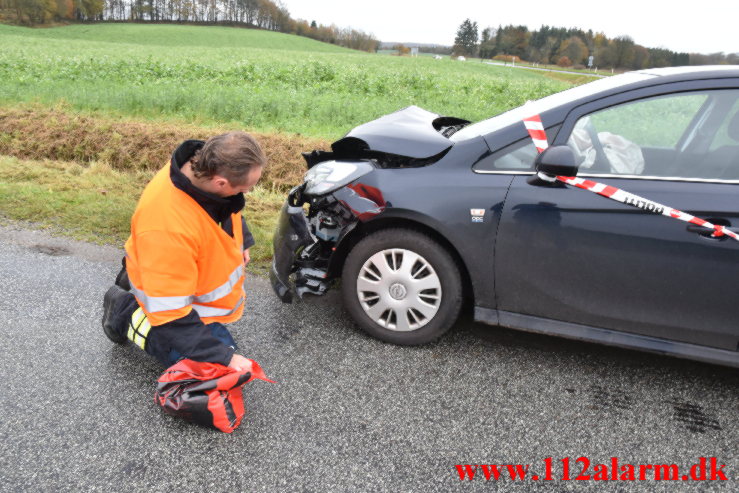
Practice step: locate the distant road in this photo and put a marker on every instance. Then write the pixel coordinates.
(546, 69)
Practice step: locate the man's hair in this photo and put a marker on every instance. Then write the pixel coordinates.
(229, 155)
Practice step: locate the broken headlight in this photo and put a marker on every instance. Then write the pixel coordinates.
(331, 175)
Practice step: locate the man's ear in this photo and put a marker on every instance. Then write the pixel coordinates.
(219, 182)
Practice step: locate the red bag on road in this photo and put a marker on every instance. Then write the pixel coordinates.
(208, 394)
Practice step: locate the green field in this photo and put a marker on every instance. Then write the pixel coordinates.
(260, 80)
(88, 112)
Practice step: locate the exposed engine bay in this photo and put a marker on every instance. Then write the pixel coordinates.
(325, 222)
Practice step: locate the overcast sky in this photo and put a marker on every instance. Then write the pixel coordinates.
(707, 26)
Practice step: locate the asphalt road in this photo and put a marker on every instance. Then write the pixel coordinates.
(349, 413)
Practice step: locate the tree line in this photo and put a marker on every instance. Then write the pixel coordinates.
(262, 14)
(572, 47)
(35, 12)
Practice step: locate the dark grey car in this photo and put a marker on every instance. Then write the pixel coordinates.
(417, 213)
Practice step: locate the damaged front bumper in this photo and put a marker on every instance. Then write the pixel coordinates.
(304, 243)
(291, 236)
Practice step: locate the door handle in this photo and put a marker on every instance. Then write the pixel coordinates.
(703, 231)
(698, 229)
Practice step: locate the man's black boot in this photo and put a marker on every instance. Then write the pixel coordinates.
(122, 278)
(112, 304)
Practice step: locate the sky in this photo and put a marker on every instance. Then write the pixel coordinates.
(707, 26)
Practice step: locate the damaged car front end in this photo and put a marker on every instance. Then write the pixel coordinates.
(320, 213)
(316, 217)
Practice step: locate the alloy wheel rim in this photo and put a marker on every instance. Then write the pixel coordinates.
(399, 289)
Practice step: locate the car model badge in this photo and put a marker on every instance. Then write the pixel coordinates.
(477, 219)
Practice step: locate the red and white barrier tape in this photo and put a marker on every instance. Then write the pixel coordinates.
(538, 136)
(536, 132)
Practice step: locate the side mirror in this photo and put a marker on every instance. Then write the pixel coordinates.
(556, 161)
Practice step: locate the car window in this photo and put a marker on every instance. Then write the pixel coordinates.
(685, 135)
(654, 122)
(728, 132)
(518, 156)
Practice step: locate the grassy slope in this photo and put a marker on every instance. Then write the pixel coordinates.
(35, 132)
(175, 36)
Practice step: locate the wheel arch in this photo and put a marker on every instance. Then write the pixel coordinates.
(362, 230)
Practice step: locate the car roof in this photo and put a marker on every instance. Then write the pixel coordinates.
(699, 71)
(595, 90)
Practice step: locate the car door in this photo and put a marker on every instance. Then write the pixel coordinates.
(570, 255)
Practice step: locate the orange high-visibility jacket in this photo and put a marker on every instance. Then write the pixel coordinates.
(179, 259)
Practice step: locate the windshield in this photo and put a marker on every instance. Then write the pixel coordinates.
(545, 104)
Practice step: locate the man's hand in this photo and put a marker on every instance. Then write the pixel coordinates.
(239, 363)
(247, 257)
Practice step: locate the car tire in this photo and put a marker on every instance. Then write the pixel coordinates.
(401, 286)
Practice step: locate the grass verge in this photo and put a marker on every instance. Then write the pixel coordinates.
(95, 202)
(62, 134)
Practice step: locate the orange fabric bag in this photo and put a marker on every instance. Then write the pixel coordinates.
(208, 394)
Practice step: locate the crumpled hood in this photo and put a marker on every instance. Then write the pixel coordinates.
(412, 132)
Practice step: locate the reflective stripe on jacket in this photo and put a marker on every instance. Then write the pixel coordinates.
(179, 259)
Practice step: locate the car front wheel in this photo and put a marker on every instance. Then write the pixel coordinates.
(401, 286)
